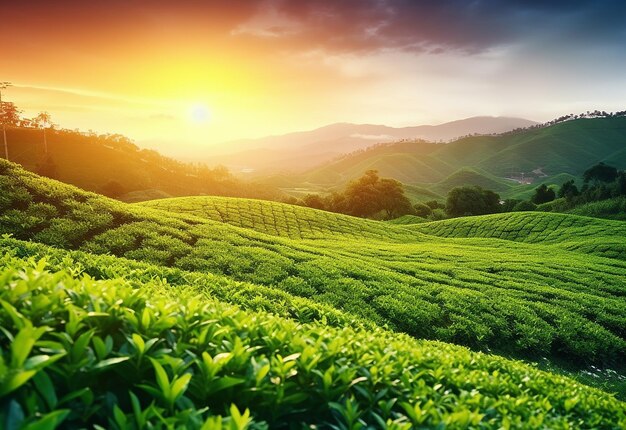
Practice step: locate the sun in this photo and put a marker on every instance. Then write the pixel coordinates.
(199, 113)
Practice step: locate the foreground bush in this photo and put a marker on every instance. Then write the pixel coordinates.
(78, 352)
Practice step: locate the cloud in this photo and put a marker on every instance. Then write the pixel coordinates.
(430, 25)
(339, 26)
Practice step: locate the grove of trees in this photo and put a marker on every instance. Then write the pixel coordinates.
(369, 196)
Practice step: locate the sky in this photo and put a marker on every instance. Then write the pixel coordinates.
(185, 77)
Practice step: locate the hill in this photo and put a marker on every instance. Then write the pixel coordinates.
(522, 299)
(611, 209)
(152, 353)
(279, 219)
(304, 150)
(113, 165)
(408, 162)
(467, 176)
(600, 237)
(538, 154)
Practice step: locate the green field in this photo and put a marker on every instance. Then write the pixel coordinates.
(544, 287)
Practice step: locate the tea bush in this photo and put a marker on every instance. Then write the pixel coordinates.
(542, 292)
(82, 353)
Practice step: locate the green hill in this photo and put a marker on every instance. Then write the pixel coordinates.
(584, 234)
(408, 162)
(515, 298)
(538, 154)
(611, 209)
(567, 147)
(280, 219)
(92, 162)
(130, 350)
(466, 176)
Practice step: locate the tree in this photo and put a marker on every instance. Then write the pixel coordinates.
(10, 114)
(524, 206)
(43, 120)
(48, 168)
(435, 204)
(370, 195)
(112, 189)
(543, 194)
(472, 200)
(422, 210)
(509, 204)
(600, 173)
(314, 201)
(621, 183)
(568, 190)
(4, 118)
(361, 195)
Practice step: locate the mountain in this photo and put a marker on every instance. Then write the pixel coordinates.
(306, 149)
(515, 160)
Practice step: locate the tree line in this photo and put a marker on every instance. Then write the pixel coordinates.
(371, 196)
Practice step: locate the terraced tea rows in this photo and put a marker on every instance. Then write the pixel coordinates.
(117, 353)
(515, 298)
(594, 236)
(280, 219)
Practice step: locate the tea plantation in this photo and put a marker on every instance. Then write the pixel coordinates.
(134, 352)
(494, 295)
(495, 283)
(595, 236)
(279, 219)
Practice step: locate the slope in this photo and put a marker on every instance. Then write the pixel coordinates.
(169, 358)
(537, 153)
(467, 176)
(297, 152)
(409, 162)
(515, 298)
(280, 219)
(583, 234)
(92, 162)
(567, 147)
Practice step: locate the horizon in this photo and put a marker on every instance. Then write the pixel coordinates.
(186, 79)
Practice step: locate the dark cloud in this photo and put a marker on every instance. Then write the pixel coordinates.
(435, 25)
(338, 25)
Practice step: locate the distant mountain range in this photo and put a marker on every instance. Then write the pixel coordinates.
(296, 152)
(511, 163)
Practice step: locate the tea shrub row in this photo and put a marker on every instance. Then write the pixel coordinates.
(80, 353)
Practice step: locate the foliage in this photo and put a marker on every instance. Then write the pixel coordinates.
(422, 210)
(401, 276)
(472, 200)
(365, 197)
(543, 194)
(611, 209)
(600, 173)
(112, 189)
(524, 205)
(568, 190)
(81, 353)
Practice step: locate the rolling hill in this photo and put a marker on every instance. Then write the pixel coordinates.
(196, 362)
(551, 153)
(468, 176)
(93, 162)
(449, 289)
(296, 152)
(271, 314)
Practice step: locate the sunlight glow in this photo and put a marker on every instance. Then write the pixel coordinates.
(200, 113)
